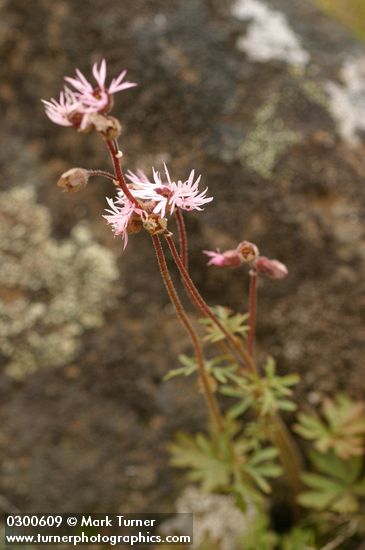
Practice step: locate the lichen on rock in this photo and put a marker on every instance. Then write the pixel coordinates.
(50, 291)
(269, 35)
(267, 141)
(216, 517)
(347, 99)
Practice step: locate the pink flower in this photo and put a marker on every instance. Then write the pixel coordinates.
(245, 252)
(120, 216)
(98, 98)
(230, 258)
(169, 194)
(65, 110)
(271, 268)
(138, 178)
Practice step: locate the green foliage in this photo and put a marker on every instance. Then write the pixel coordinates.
(266, 394)
(220, 368)
(336, 487)
(260, 465)
(300, 538)
(338, 484)
(241, 461)
(342, 428)
(210, 461)
(259, 536)
(234, 323)
(226, 461)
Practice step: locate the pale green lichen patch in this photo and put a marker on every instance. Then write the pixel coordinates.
(50, 291)
(315, 93)
(267, 141)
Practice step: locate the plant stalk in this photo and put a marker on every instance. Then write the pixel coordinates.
(203, 307)
(180, 311)
(183, 238)
(252, 312)
(113, 150)
(289, 453)
(102, 173)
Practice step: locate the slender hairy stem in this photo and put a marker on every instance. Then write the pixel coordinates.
(252, 311)
(199, 302)
(113, 150)
(183, 238)
(208, 394)
(102, 173)
(290, 456)
(289, 453)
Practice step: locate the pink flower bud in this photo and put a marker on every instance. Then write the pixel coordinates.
(74, 179)
(248, 251)
(271, 268)
(230, 258)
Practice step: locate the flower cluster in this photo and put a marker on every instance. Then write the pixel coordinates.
(248, 253)
(146, 202)
(157, 199)
(76, 104)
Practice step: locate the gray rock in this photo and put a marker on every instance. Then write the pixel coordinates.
(278, 136)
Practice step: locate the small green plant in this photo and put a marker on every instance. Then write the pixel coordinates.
(336, 485)
(267, 394)
(228, 461)
(220, 368)
(234, 323)
(341, 428)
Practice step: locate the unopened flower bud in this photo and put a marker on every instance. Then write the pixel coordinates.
(134, 225)
(271, 268)
(108, 126)
(74, 179)
(248, 251)
(113, 130)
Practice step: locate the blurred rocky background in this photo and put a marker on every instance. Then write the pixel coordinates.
(266, 98)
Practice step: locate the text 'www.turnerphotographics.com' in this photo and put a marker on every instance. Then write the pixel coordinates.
(107, 529)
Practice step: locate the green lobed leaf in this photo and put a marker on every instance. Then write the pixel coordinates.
(340, 428)
(315, 500)
(234, 323)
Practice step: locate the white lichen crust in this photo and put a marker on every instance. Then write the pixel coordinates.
(347, 100)
(216, 517)
(269, 35)
(50, 291)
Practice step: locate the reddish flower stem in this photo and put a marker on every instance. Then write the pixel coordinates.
(180, 311)
(183, 238)
(113, 150)
(252, 311)
(202, 306)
